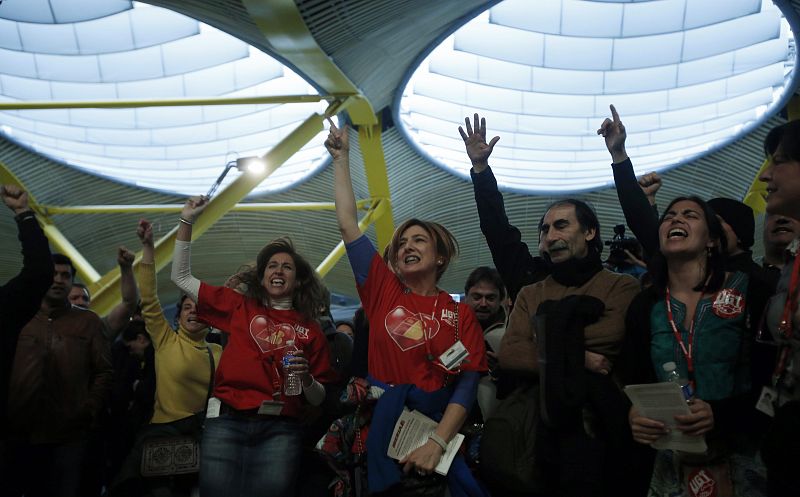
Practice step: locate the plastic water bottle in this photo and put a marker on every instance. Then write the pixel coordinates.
(291, 382)
(671, 371)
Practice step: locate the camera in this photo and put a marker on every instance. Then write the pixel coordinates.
(618, 244)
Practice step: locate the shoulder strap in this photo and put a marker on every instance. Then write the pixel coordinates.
(211, 375)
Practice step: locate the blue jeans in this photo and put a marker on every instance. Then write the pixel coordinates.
(250, 457)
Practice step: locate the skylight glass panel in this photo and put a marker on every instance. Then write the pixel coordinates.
(687, 76)
(107, 50)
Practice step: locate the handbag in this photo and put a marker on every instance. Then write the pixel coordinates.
(178, 453)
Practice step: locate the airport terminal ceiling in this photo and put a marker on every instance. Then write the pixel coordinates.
(691, 94)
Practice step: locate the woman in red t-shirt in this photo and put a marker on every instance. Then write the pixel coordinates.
(412, 324)
(252, 438)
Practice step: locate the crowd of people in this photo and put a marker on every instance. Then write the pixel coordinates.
(255, 390)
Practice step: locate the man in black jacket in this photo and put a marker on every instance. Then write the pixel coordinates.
(21, 296)
(510, 254)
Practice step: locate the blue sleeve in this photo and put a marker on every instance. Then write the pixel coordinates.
(466, 389)
(360, 252)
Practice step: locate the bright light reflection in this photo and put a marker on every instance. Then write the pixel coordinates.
(687, 76)
(112, 50)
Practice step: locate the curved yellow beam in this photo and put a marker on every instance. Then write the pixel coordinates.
(57, 239)
(283, 27)
(369, 138)
(167, 208)
(105, 298)
(378, 210)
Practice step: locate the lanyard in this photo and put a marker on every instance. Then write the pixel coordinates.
(425, 334)
(687, 351)
(426, 337)
(276, 378)
(785, 324)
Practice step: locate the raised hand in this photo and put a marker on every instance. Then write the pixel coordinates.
(337, 143)
(474, 138)
(650, 183)
(145, 232)
(614, 133)
(125, 257)
(194, 207)
(15, 198)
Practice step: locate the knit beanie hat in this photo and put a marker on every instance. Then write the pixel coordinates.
(739, 216)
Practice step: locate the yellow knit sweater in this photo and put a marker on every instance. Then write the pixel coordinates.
(182, 365)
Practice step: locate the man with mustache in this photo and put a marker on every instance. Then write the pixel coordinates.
(60, 379)
(568, 329)
(572, 323)
(510, 254)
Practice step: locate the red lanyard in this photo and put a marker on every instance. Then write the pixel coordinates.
(276, 377)
(428, 354)
(425, 334)
(785, 324)
(687, 351)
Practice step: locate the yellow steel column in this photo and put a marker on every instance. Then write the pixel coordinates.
(59, 242)
(282, 25)
(369, 137)
(375, 213)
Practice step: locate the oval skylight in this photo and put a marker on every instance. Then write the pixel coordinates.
(687, 77)
(68, 50)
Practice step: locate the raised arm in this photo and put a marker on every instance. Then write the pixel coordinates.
(24, 292)
(639, 213)
(157, 325)
(181, 259)
(338, 146)
(510, 254)
(145, 233)
(120, 315)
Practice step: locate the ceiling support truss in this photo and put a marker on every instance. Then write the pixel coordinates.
(283, 27)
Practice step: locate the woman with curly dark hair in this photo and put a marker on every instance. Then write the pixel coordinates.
(252, 440)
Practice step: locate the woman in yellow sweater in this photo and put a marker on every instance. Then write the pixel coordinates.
(185, 365)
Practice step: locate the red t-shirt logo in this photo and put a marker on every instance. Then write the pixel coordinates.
(270, 335)
(409, 329)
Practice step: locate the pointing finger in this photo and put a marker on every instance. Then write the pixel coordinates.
(614, 114)
(469, 125)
